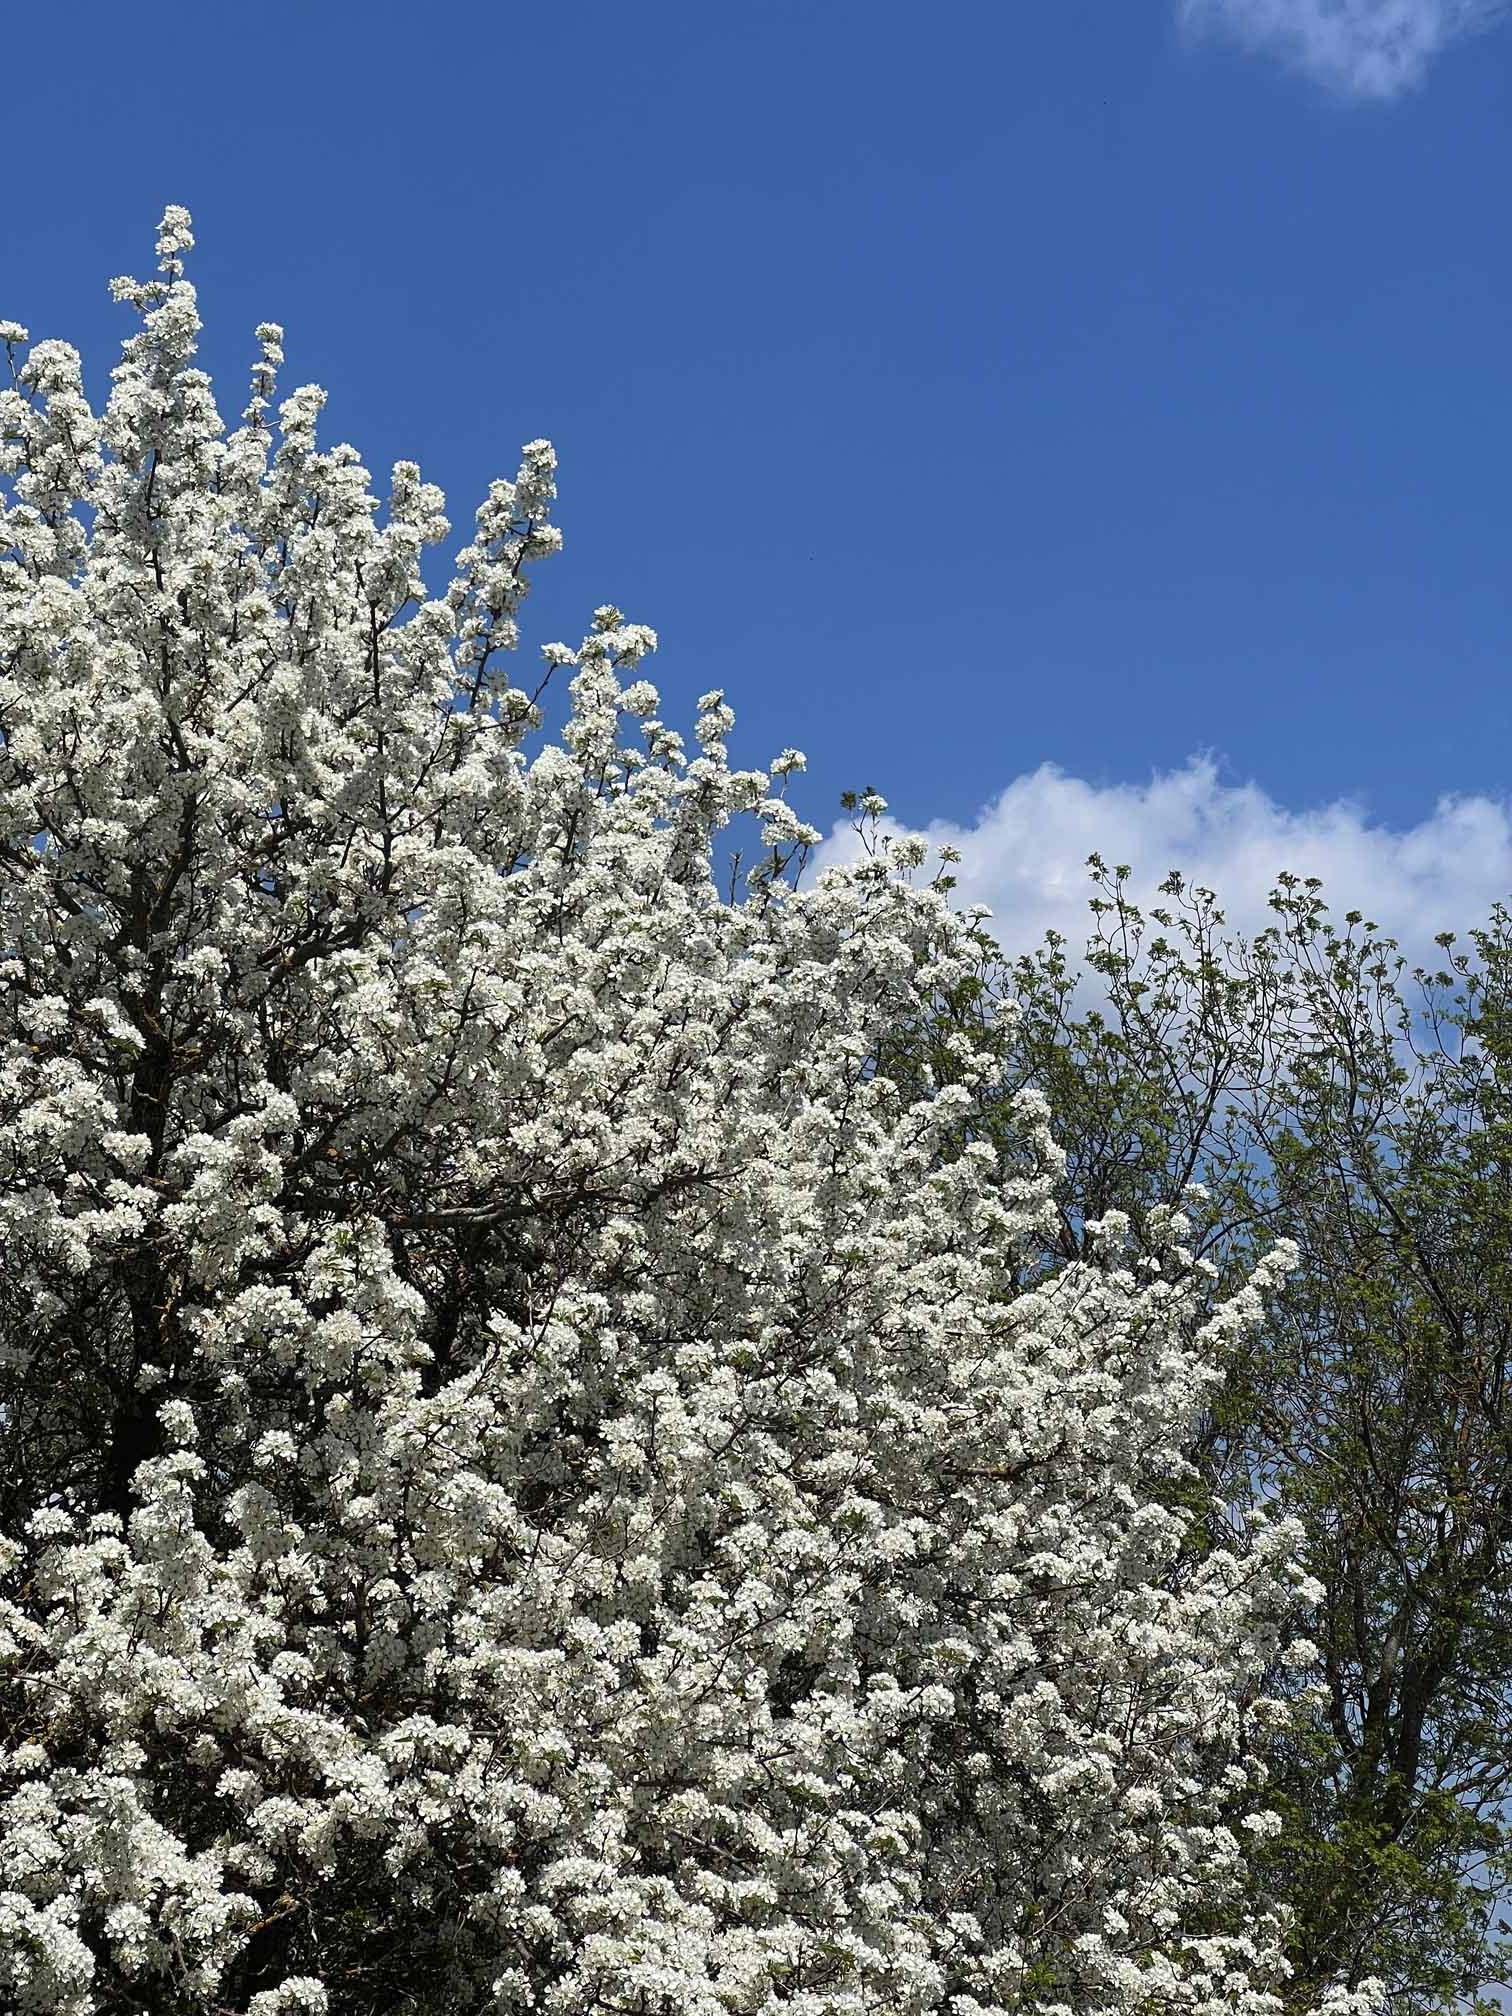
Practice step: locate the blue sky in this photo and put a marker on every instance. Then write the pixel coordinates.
(1097, 384)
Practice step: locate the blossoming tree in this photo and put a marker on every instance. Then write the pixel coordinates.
(532, 1475)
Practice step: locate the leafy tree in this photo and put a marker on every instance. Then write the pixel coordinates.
(1316, 1090)
(531, 1473)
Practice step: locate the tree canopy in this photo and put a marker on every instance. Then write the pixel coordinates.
(535, 1474)
(1318, 1089)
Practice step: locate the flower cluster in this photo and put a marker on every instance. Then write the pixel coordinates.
(533, 1476)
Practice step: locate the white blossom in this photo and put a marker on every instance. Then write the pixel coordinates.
(534, 1476)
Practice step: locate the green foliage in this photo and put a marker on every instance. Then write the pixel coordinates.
(1315, 1089)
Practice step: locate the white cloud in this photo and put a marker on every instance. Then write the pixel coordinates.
(1359, 48)
(1026, 854)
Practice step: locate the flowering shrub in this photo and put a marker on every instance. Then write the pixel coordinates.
(534, 1476)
